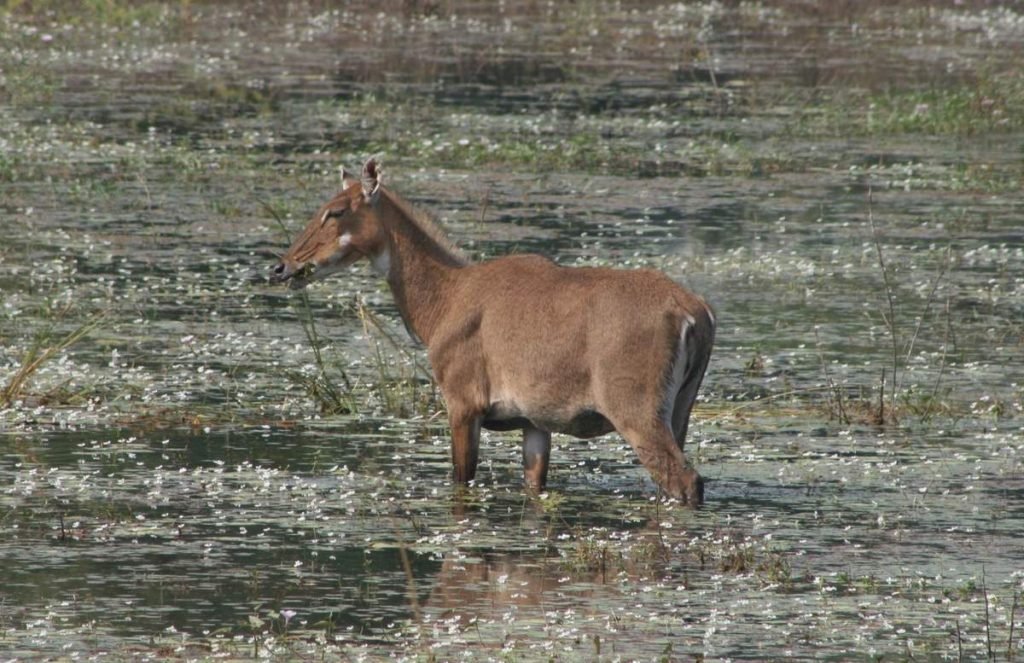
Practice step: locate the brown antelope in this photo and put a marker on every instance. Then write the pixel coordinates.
(521, 343)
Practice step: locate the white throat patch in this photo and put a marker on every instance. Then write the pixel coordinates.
(381, 262)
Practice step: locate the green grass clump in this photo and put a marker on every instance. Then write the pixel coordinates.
(960, 111)
(111, 13)
(988, 104)
(46, 345)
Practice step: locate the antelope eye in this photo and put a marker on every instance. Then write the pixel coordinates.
(335, 213)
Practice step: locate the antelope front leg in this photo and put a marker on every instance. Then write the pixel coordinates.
(536, 452)
(465, 446)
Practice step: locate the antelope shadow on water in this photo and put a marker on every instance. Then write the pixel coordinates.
(519, 342)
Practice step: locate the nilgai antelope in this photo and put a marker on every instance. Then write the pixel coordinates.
(521, 343)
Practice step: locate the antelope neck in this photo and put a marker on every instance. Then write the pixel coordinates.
(420, 272)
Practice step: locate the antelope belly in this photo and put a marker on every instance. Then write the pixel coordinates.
(584, 423)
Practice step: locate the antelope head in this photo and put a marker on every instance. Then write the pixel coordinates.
(343, 231)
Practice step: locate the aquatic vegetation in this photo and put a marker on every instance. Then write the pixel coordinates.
(192, 469)
(330, 387)
(404, 385)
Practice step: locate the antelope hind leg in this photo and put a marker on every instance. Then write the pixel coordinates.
(536, 453)
(465, 446)
(661, 455)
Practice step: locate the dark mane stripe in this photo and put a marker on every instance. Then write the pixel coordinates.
(428, 227)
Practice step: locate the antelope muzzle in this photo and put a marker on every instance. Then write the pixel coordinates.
(295, 275)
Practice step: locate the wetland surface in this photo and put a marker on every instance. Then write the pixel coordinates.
(197, 465)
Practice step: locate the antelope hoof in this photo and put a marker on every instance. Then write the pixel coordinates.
(533, 485)
(690, 488)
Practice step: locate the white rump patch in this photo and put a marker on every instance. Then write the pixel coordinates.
(678, 374)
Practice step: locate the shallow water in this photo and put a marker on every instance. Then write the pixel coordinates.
(171, 486)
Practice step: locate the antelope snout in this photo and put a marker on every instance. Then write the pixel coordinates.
(281, 272)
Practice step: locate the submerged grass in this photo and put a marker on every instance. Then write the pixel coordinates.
(554, 140)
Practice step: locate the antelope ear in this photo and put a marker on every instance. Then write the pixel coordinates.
(371, 180)
(347, 178)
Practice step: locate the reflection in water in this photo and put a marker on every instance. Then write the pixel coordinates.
(489, 586)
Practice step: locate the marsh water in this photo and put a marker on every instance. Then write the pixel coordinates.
(195, 464)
